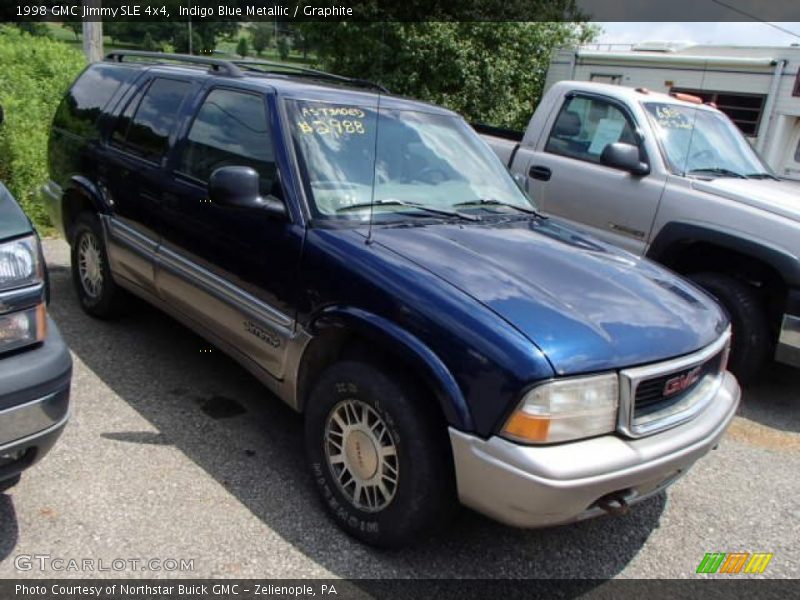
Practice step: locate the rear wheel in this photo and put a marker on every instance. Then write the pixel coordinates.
(91, 275)
(378, 455)
(750, 345)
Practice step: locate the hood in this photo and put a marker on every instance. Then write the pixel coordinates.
(779, 197)
(586, 305)
(13, 222)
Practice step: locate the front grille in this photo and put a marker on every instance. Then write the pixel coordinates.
(656, 397)
(659, 392)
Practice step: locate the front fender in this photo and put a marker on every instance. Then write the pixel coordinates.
(416, 353)
(674, 234)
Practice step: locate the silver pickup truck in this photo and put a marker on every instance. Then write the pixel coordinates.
(671, 179)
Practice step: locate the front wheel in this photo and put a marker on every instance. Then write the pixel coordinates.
(378, 455)
(750, 343)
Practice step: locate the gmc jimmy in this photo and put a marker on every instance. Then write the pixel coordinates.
(372, 262)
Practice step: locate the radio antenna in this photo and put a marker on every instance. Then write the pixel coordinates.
(377, 131)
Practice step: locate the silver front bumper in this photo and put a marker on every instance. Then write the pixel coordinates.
(535, 486)
(24, 423)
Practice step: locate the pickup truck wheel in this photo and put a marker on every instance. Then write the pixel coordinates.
(7, 484)
(751, 340)
(91, 276)
(379, 459)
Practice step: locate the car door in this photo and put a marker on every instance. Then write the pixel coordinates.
(233, 271)
(131, 169)
(567, 179)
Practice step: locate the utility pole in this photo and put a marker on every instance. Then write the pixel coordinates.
(191, 49)
(93, 34)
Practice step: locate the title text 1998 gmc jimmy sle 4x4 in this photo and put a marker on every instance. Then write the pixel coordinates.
(672, 179)
(373, 263)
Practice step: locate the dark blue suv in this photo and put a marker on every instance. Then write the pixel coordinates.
(370, 260)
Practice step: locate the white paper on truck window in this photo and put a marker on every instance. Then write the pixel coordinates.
(606, 132)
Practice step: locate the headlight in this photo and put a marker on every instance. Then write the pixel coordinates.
(20, 264)
(22, 328)
(566, 409)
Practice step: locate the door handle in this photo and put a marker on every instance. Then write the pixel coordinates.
(540, 172)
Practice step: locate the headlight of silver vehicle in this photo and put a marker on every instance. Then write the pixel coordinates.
(23, 320)
(20, 263)
(566, 409)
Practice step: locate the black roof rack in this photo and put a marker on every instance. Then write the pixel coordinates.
(231, 67)
(222, 67)
(277, 67)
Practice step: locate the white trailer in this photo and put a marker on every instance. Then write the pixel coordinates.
(757, 87)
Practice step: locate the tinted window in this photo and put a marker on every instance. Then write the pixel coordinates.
(147, 122)
(89, 95)
(230, 129)
(585, 126)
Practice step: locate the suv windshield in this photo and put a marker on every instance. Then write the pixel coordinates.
(696, 141)
(421, 164)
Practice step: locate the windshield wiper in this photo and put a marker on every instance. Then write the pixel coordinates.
(718, 171)
(414, 205)
(763, 175)
(493, 202)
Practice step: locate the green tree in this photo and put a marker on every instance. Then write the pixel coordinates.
(489, 72)
(284, 46)
(262, 36)
(76, 27)
(34, 28)
(149, 44)
(242, 48)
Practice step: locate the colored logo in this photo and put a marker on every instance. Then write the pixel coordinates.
(681, 382)
(734, 562)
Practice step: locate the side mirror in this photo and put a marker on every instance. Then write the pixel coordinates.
(624, 156)
(238, 187)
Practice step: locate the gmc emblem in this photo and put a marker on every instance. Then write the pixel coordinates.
(681, 382)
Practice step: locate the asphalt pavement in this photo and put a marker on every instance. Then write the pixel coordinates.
(175, 453)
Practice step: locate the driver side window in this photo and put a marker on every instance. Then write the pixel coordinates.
(585, 126)
(230, 129)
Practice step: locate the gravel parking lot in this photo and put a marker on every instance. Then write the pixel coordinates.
(175, 452)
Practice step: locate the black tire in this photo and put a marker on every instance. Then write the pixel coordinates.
(7, 484)
(105, 300)
(423, 498)
(750, 346)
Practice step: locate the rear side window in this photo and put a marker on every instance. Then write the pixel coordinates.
(147, 122)
(89, 95)
(230, 129)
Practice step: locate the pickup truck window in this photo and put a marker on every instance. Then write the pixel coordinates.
(585, 126)
(702, 142)
(410, 157)
(147, 122)
(231, 128)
